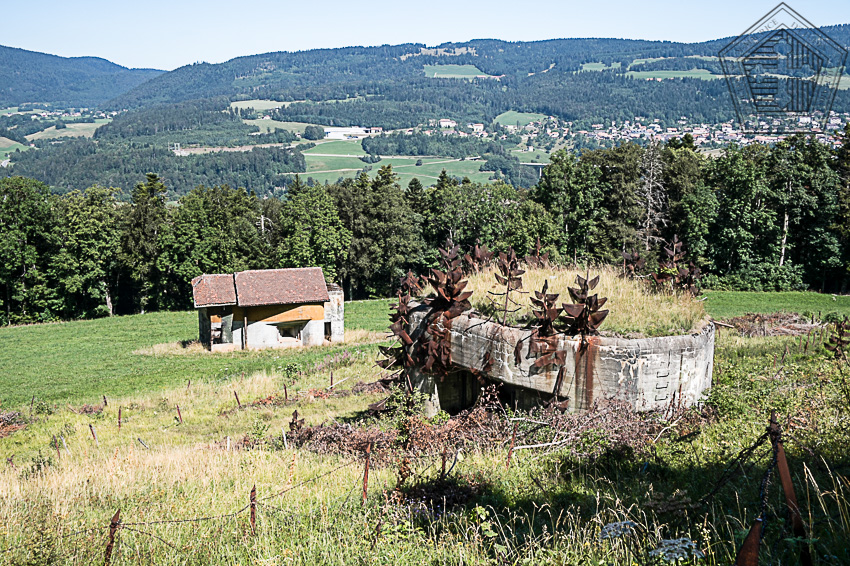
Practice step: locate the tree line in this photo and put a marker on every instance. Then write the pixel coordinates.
(756, 217)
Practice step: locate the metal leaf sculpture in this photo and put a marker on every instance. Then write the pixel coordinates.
(399, 356)
(632, 264)
(479, 257)
(448, 302)
(839, 339)
(545, 339)
(584, 316)
(677, 277)
(510, 275)
(537, 260)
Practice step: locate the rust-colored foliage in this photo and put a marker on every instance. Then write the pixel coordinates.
(840, 338)
(544, 336)
(479, 257)
(671, 273)
(584, 315)
(537, 260)
(632, 264)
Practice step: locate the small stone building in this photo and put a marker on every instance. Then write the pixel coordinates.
(268, 308)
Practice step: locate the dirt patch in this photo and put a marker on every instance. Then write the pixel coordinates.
(775, 324)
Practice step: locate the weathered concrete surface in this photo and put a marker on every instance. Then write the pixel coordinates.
(647, 373)
(335, 314)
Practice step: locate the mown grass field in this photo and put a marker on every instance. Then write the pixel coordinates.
(267, 126)
(692, 74)
(512, 118)
(8, 146)
(549, 506)
(599, 66)
(452, 71)
(726, 304)
(85, 130)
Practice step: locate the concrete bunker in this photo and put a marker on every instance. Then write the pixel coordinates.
(646, 373)
(270, 308)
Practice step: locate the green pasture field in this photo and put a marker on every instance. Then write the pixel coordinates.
(259, 105)
(337, 147)
(82, 360)
(267, 126)
(70, 130)
(728, 304)
(9, 110)
(692, 74)
(8, 147)
(599, 66)
(183, 488)
(510, 118)
(452, 71)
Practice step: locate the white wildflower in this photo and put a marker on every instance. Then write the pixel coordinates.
(617, 530)
(671, 550)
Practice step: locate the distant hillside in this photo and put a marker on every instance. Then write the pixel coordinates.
(29, 76)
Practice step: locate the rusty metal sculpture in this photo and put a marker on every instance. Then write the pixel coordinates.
(839, 339)
(479, 257)
(449, 301)
(632, 264)
(509, 275)
(672, 273)
(537, 260)
(398, 356)
(583, 317)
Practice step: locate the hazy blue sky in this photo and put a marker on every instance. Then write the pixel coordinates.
(168, 34)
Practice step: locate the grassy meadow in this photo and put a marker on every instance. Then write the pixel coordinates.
(604, 498)
(85, 130)
(634, 309)
(512, 118)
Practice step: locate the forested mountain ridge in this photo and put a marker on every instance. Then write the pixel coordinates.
(355, 70)
(29, 76)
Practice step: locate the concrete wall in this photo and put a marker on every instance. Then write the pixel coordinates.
(265, 325)
(647, 373)
(335, 313)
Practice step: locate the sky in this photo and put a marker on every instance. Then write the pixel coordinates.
(169, 34)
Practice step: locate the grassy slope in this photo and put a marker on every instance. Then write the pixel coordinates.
(188, 473)
(70, 130)
(453, 71)
(510, 118)
(83, 360)
(726, 304)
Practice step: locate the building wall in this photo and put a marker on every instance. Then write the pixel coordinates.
(335, 314)
(268, 324)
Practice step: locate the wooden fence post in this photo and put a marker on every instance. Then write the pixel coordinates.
(254, 510)
(113, 529)
(285, 393)
(179, 416)
(94, 434)
(366, 471)
(237, 399)
(56, 445)
(119, 419)
(104, 401)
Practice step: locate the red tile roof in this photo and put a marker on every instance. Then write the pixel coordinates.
(213, 290)
(281, 286)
